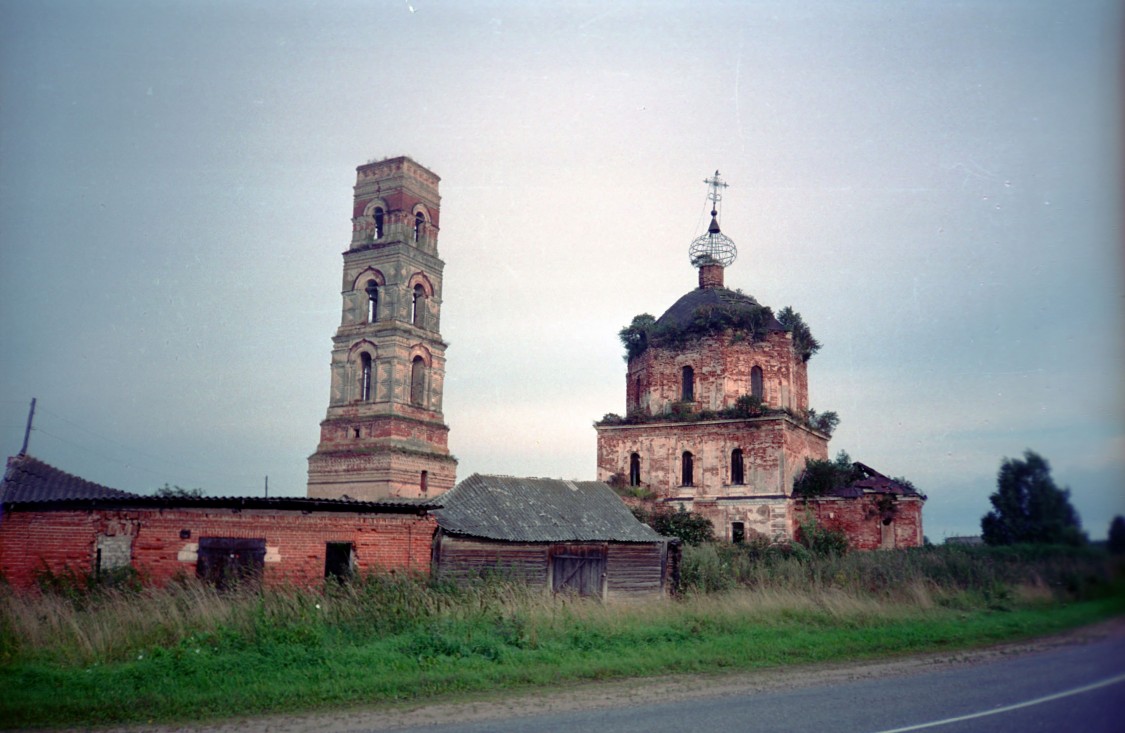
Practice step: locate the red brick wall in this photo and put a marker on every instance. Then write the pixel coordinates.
(722, 374)
(774, 451)
(862, 520)
(33, 541)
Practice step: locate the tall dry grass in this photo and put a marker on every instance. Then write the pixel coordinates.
(722, 585)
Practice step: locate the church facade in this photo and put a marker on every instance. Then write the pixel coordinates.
(717, 417)
(384, 434)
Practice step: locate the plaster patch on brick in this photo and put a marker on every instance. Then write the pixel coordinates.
(273, 554)
(189, 553)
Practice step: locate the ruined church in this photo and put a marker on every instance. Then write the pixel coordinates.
(718, 421)
(717, 411)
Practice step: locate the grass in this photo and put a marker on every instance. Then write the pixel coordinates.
(187, 653)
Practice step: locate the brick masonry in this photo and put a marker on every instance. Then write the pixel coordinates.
(775, 447)
(873, 522)
(162, 544)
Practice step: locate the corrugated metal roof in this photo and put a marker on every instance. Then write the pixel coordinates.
(539, 510)
(28, 480)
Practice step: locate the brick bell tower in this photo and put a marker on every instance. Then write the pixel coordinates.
(385, 435)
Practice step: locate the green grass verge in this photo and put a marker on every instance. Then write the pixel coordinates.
(315, 666)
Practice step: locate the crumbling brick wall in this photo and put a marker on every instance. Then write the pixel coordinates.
(871, 522)
(164, 542)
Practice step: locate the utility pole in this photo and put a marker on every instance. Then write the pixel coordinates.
(27, 431)
(267, 487)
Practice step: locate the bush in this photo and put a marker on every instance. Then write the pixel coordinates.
(821, 541)
(691, 528)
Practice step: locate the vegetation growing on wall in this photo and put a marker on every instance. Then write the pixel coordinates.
(803, 341)
(738, 315)
(823, 478)
(745, 407)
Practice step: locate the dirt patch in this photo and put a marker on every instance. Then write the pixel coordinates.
(622, 693)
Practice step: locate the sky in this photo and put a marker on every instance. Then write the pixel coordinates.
(934, 186)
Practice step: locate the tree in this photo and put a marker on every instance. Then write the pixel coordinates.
(1116, 542)
(823, 478)
(803, 341)
(1029, 507)
(691, 528)
(178, 492)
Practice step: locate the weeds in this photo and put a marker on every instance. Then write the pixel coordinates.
(112, 654)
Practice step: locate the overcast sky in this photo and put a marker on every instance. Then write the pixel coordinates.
(933, 185)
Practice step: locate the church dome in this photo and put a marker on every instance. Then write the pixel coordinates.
(701, 303)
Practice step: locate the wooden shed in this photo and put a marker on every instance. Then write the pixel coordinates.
(561, 536)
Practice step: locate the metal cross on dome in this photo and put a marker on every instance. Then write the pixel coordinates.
(713, 247)
(715, 183)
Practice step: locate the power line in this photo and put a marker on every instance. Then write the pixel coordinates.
(230, 479)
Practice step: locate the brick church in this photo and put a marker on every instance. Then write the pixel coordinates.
(717, 417)
(717, 408)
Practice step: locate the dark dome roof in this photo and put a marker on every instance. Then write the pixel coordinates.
(683, 310)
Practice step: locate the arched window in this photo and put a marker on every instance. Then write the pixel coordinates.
(687, 469)
(424, 481)
(635, 470)
(377, 214)
(418, 306)
(756, 382)
(417, 380)
(419, 222)
(687, 391)
(365, 377)
(736, 473)
(372, 290)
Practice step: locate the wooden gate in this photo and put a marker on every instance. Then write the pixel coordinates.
(578, 569)
(228, 561)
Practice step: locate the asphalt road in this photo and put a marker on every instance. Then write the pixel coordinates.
(1073, 688)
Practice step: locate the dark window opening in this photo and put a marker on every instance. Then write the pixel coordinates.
(365, 377)
(736, 467)
(417, 380)
(737, 533)
(355, 433)
(372, 301)
(339, 560)
(756, 382)
(424, 482)
(687, 469)
(226, 562)
(419, 222)
(378, 216)
(418, 305)
(635, 470)
(687, 392)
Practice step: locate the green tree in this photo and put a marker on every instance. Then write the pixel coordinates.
(178, 492)
(803, 341)
(1116, 542)
(1029, 507)
(635, 336)
(821, 478)
(692, 528)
